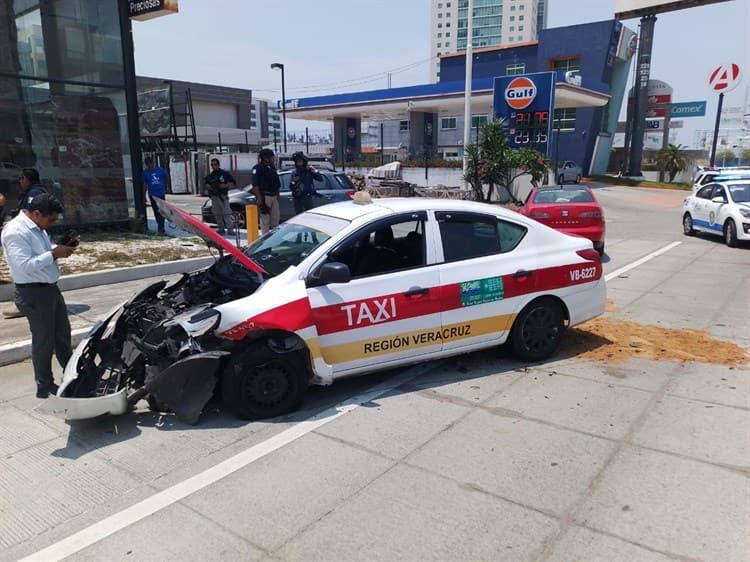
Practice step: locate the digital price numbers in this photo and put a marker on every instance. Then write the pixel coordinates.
(529, 128)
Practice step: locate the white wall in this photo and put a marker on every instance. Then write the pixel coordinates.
(215, 114)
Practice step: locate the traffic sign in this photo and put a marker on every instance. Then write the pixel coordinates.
(725, 78)
(688, 109)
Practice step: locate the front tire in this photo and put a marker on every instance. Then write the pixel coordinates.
(730, 233)
(261, 383)
(537, 330)
(239, 221)
(687, 225)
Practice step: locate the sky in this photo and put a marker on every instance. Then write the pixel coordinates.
(334, 46)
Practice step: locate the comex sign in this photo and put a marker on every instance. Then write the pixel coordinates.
(688, 109)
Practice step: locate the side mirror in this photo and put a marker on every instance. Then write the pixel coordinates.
(331, 272)
(718, 200)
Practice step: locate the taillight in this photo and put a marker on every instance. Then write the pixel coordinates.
(539, 215)
(590, 254)
(350, 194)
(591, 215)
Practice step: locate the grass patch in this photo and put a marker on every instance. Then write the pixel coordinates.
(636, 183)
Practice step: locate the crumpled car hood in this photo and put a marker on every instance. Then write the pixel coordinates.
(185, 222)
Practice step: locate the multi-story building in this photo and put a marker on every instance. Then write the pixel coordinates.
(494, 23)
(266, 119)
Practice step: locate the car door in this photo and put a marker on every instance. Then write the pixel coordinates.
(483, 267)
(700, 208)
(286, 201)
(389, 313)
(335, 187)
(713, 209)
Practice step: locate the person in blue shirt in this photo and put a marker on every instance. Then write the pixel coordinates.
(302, 183)
(155, 183)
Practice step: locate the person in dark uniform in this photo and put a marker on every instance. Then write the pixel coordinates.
(31, 186)
(266, 186)
(303, 183)
(218, 183)
(33, 263)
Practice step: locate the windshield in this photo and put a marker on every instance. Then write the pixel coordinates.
(563, 196)
(740, 192)
(291, 242)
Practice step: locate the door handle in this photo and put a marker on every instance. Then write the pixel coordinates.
(522, 273)
(414, 291)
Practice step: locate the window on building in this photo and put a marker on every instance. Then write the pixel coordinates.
(512, 28)
(567, 63)
(447, 33)
(515, 68)
(522, 7)
(440, 5)
(447, 43)
(512, 18)
(440, 15)
(447, 123)
(520, 28)
(565, 119)
(403, 125)
(448, 24)
(478, 121)
(440, 25)
(520, 18)
(439, 45)
(448, 5)
(440, 35)
(513, 8)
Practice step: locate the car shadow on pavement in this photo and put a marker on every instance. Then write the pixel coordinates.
(99, 433)
(75, 309)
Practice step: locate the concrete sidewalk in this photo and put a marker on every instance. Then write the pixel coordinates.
(89, 296)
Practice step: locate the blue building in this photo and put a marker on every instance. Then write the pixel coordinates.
(591, 60)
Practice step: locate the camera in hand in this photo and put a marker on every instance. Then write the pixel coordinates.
(70, 239)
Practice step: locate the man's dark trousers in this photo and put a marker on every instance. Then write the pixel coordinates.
(157, 215)
(44, 308)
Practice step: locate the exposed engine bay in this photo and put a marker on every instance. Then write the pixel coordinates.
(160, 344)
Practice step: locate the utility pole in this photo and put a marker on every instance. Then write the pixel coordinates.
(467, 85)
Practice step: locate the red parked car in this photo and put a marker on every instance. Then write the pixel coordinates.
(572, 209)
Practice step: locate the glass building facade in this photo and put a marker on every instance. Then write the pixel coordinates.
(63, 106)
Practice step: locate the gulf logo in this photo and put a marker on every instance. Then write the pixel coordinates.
(520, 92)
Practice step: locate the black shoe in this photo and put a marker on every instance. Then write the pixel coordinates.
(45, 391)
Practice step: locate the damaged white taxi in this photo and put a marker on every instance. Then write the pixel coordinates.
(340, 290)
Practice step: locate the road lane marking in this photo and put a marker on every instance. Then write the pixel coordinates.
(636, 263)
(122, 519)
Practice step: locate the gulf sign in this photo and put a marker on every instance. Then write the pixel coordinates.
(520, 93)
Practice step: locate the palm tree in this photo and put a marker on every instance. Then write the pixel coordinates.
(672, 159)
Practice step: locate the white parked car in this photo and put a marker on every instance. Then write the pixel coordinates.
(704, 177)
(721, 208)
(568, 171)
(340, 290)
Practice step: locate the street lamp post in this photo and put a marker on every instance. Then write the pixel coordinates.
(279, 66)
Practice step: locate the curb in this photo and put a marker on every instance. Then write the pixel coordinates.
(21, 350)
(118, 275)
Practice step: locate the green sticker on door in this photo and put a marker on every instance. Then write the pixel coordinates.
(481, 291)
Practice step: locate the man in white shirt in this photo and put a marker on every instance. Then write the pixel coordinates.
(32, 260)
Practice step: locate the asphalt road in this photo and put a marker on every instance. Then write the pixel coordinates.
(474, 458)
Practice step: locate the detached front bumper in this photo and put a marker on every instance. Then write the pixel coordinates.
(86, 408)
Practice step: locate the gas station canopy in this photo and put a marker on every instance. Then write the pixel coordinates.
(444, 98)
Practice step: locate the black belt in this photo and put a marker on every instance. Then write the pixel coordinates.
(35, 285)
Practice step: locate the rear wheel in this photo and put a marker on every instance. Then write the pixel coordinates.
(537, 331)
(262, 383)
(730, 233)
(599, 247)
(687, 225)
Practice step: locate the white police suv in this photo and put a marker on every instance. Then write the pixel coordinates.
(721, 208)
(340, 290)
